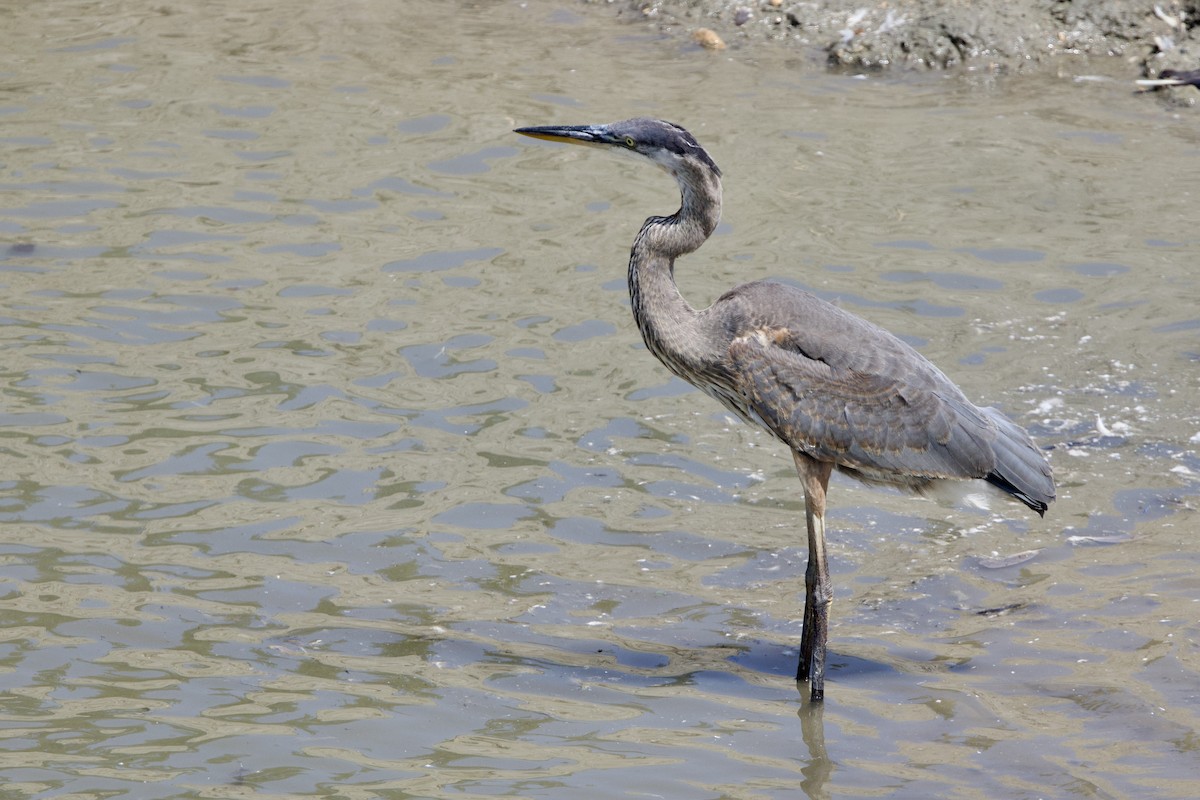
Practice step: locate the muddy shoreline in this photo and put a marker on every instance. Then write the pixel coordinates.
(1000, 35)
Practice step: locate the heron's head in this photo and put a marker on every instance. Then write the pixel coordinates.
(665, 143)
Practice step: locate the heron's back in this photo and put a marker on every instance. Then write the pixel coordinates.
(841, 389)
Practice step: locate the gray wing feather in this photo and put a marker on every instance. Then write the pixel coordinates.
(841, 389)
(878, 425)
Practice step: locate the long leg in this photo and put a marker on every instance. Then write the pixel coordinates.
(818, 588)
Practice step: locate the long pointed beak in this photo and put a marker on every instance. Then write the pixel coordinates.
(571, 134)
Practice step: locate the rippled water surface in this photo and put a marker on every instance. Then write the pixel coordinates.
(334, 465)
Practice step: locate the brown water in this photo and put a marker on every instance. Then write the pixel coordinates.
(334, 466)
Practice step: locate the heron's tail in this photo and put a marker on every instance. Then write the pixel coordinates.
(1021, 469)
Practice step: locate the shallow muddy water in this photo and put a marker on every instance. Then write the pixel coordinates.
(334, 465)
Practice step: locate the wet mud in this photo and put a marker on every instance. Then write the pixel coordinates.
(933, 34)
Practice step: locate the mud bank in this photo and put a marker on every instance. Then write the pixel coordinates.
(941, 34)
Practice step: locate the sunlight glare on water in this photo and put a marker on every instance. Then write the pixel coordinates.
(335, 465)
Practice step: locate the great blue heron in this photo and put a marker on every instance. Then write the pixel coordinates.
(840, 392)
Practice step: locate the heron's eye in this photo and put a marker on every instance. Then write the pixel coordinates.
(629, 142)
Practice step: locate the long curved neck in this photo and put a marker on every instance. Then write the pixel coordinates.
(669, 325)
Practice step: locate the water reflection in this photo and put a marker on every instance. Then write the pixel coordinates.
(334, 463)
(819, 769)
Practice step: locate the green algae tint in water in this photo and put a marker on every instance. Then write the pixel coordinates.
(334, 466)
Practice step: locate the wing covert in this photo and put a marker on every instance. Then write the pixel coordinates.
(878, 425)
